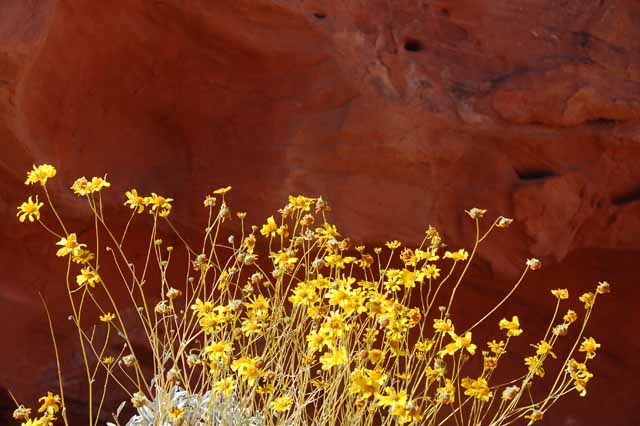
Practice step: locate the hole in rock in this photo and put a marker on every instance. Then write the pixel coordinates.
(534, 174)
(319, 15)
(627, 198)
(603, 121)
(412, 45)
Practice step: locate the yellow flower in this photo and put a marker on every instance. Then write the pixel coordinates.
(247, 369)
(159, 204)
(580, 375)
(50, 403)
(270, 229)
(588, 299)
(570, 316)
(366, 382)
(457, 255)
(135, 201)
(543, 348)
(496, 347)
(40, 174)
(589, 345)
(391, 398)
(535, 365)
(176, 412)
(225, 386)
(334, 358)
(97, 184)
(108, 317)
(108, 360)
(459, 342)
(82, 256)
(443, 325)
(69, 245)
(393, 244)
(222, 190)
(512, 327)
(88, 276)
(82, 186)
(431, 271)
(29, 210)
(281, 404)
(301, 202)
(478, 388)
(218, 351)
(561, 293)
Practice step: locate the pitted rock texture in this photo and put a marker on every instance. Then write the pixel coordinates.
(401, 113)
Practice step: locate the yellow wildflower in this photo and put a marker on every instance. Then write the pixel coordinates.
(461, 254)
(50, 404)
(588, 299)
(40, 174)
(496, 347)
(247, 369)
(135, 201)
(82, 256)
(535, 365)
(459, 342)
(159, 204)
(108, 317)
(281, 404)
(301, 202)
(225, 386)
(443, 325)
(29, 210)
(478, 388)
(561, 293)
(392, 245)
(580, 375)
(97, 184)
(543, 348)
(69, 245)
(176, 412)
(570, 316)
(222, 190)
(334, 358)
(270, 228)
(589, 345)
(512, 327)
(108, 360)
(88, 276)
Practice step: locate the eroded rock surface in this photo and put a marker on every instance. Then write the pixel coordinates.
(401, 113)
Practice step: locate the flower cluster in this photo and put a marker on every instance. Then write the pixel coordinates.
(289, 322)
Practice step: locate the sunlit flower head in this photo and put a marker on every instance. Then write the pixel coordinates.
(40, 174)
(29, 210)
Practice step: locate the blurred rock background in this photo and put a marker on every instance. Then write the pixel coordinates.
(402, 113)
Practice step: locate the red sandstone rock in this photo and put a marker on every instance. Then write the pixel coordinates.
(401, 113)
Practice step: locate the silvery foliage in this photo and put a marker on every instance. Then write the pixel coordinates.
(199, 410)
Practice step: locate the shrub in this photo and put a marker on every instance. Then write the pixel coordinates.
(290, 324)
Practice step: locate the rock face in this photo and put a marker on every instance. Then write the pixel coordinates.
(401, 113)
